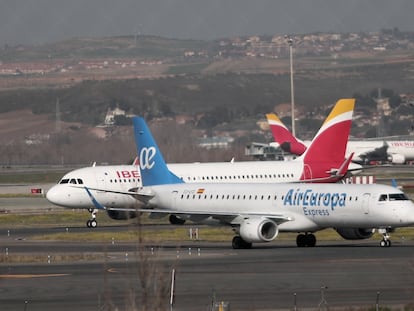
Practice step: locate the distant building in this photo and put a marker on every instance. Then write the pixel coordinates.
(111, 114)
(220, 142)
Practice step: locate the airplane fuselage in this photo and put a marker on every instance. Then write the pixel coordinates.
(70, 192)
(310, 207)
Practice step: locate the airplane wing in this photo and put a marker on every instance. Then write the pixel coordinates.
(235, 218)
(144, 195)
(141, 194)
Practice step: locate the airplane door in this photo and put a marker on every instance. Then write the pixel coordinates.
(365, 203)
(174, 199)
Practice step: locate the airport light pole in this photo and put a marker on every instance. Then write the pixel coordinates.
(289, 41)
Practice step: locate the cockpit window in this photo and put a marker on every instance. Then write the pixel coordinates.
(393, 197)
(383, 197)
(64, 181)
(73, 181)
(397, 197)
(80, 181)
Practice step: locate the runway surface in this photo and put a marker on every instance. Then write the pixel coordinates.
(53, 275)
(96, 276)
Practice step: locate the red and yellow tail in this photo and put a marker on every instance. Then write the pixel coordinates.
(326, 153)
(283, 136)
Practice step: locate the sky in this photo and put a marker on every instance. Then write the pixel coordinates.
(42, 21)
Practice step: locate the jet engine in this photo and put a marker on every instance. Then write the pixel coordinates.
(258, 230)
(355, 233)
(396, 158)
(121, 215)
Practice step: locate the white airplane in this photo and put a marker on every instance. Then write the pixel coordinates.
(258, 212)
(365, 151)
(324, 161)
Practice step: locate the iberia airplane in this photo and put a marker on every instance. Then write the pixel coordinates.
(324, 161)
(258, 212)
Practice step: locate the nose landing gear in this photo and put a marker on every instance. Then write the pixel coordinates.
(92, 223)
(385, 242)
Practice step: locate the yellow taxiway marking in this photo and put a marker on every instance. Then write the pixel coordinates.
(28, 276)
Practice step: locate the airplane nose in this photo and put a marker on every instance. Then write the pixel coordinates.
(52, 195)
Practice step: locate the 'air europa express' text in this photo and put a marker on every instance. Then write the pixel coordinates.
(311, 199)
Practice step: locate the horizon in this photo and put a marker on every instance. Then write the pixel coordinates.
(25, 22)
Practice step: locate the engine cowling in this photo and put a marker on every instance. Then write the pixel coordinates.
(396, 158)
(258, 230)
(355, 233)
(121, 215)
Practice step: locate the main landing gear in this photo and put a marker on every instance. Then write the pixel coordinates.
(385, 242)
(92, 223)
(306, 240)
(239, 243)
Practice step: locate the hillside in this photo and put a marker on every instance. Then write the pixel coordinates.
(215, 86)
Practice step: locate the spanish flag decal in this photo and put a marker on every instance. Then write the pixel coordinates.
(200, 190)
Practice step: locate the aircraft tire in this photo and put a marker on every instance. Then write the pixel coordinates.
(306, 240)
(310, 240)
(239, 243)
(301, 240)
(88, 223)
(385, 243)
(93, 223)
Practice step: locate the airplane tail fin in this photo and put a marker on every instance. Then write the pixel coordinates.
(154, 170)
(283, 136)
(328, 147)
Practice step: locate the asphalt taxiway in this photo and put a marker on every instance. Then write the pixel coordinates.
(99, 276)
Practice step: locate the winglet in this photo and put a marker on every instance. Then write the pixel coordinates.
(343, 169)
(283, 136)
(154, 170)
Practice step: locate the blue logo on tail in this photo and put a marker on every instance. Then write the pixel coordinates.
(154, 170)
